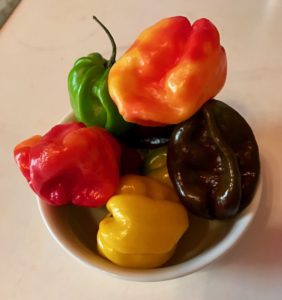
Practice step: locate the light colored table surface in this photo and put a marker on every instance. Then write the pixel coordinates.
(38, 46)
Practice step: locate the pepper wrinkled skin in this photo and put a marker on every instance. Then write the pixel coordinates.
(67, 165)
(155, 165)
(213, 162)
(170, 71)
(145, 223)
(88, 90)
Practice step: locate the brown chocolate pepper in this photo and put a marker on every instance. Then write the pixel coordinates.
(213, 162)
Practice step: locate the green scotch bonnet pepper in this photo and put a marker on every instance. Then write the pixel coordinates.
(88, 91)
(155, 165)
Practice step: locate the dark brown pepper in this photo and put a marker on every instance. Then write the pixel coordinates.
(213, 162)
(145, 137)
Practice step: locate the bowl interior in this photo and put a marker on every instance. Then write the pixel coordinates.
(75, 229)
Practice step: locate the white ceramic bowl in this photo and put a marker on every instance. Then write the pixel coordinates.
(75, 229)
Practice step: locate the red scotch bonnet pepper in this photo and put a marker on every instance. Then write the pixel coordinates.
(71, 164)
(170, 71)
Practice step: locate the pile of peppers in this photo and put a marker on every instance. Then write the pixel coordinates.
(150, 143)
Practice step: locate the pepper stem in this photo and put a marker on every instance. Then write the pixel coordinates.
(114, 47)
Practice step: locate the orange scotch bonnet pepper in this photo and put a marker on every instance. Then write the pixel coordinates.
(169, 72)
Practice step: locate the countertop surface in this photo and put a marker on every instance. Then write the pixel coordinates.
(38, 45)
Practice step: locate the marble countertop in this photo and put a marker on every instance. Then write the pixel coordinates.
(38, 45)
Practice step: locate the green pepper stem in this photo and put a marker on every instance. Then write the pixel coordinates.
(114, 48)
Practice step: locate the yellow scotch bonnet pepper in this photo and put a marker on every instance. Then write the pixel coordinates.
(145, 222)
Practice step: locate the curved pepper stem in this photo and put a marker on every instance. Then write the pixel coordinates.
(114, 47)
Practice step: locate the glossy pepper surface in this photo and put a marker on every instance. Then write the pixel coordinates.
(170, 71)
(88, 90)
(71, 164)
(213, 162)
(155, 165)
(146, 137)
(145, 223)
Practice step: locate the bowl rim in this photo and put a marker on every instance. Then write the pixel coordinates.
(211, 254)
